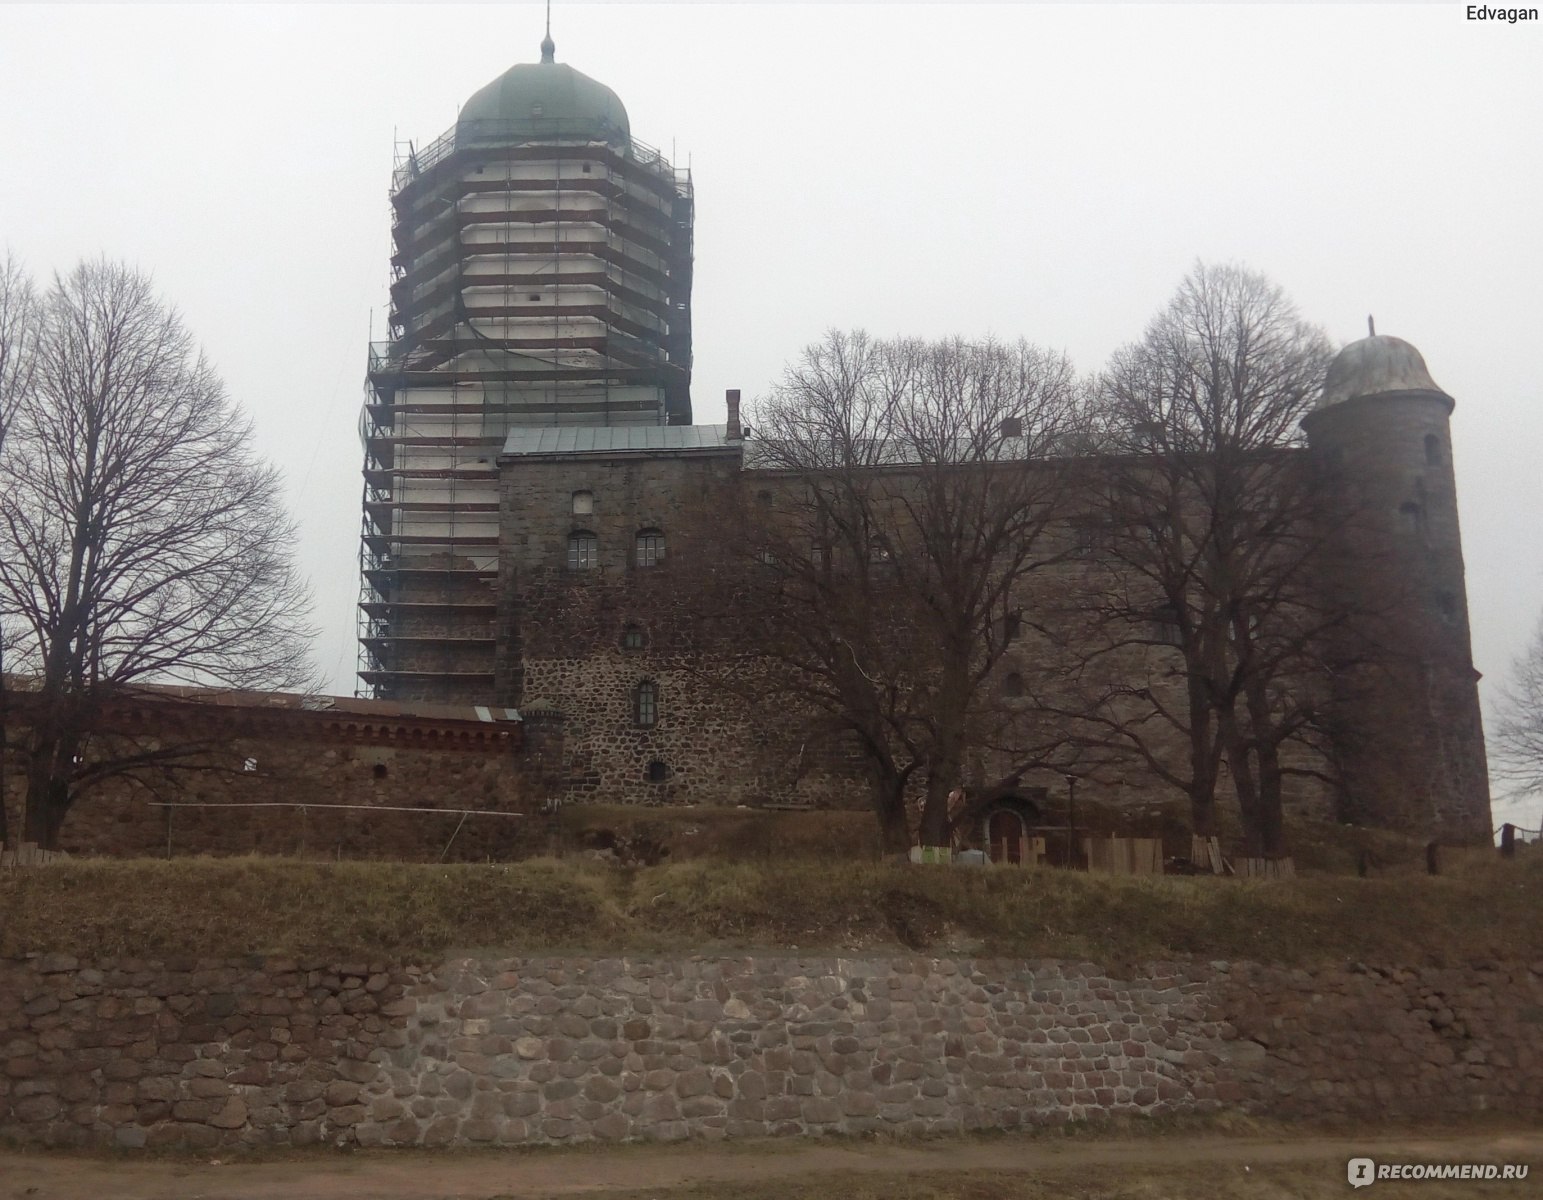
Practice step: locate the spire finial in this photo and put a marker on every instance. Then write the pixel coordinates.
(548, 46)
(1371, 325)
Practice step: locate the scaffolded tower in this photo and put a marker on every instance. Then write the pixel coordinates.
(541, 277)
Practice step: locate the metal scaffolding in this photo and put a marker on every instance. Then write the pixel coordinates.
(544, 280)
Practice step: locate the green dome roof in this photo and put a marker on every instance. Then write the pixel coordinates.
(543, 101)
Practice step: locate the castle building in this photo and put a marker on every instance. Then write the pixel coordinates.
(539, 512)
(541, 279)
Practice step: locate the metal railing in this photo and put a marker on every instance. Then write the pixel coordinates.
(535, 130)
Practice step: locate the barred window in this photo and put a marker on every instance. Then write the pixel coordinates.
(650, 548)
(645, 705)
(583, 551)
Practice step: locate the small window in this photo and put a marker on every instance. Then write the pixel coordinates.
(1012, 686)
(532, 295)
(1012, 427)
(878, 552)
(658, 771)
(633, 638)
(1432, 450)
(1089, 536)
(650, 548)
(583, 551)
(247, 764)
(1165, 625)
(1012, 626)
(378, 770)
(583, 503)
(645, 705)
(1411, 518)
(588, 168)
(817, 555)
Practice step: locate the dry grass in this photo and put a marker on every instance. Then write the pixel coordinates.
(221, 907)
(1200, 1182)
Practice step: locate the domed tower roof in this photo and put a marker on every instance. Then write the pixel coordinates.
(1373, 366)
(545, 101)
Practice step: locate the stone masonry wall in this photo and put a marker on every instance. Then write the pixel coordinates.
(719, 736)
(294, 777)
(519, 1051)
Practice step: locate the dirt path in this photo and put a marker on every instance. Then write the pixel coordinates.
(482, 1175)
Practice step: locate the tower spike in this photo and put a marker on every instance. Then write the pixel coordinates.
(1371, 325)
(548, 46)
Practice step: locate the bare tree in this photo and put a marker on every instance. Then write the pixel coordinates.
(900, 491)
(18, 334)
(1211, 529)
(1517, 738)
(140, 539)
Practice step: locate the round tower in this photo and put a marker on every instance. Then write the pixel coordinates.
(1408, 740)
(541, 278)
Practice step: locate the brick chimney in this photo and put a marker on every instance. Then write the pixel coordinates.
(731, 397)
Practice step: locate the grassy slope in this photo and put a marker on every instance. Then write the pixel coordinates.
(220, 907)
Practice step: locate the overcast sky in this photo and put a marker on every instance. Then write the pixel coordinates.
(1019, 170)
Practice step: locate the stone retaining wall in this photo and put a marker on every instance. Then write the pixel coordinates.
(565, 1049)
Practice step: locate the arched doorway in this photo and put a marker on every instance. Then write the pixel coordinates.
(1007, 823)
(1005, 833)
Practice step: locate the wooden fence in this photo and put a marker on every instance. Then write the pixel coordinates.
(28, 855)
(1124, 855)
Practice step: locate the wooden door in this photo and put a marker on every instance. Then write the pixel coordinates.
(1004, 832)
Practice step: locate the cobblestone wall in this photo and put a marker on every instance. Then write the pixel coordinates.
(557, 1050)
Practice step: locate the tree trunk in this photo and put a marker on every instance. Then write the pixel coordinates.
(1269, 819)
(1202, 757)
(48, 791)
(1244, 784)
(1272, 821)
(941, 780)
(888, 793)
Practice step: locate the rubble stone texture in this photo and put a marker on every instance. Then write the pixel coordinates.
(552, 1050)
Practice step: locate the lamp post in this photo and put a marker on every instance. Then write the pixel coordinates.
(1071, 821)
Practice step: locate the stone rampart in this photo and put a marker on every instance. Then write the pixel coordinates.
(515, 1051)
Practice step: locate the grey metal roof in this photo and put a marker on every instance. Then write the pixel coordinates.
(615, 439)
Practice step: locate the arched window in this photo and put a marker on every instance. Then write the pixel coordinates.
(658, 771)
(583, 551)
(583, 503)
(650, 548)
(633, 638)
(1013, 684)
(1432, 450)
(645, 704)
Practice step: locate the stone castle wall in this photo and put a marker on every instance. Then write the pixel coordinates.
(295, 768)
(563, 642)
(517, 1051)
(564, 636)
